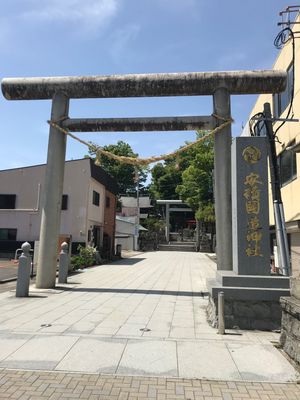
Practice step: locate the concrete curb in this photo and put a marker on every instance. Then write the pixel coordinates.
(8, 280)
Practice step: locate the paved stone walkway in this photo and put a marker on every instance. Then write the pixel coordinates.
(30, 385)
(142, 316)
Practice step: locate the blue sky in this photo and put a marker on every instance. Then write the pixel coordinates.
(99, 37)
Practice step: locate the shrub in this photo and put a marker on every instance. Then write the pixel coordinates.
(85, 258)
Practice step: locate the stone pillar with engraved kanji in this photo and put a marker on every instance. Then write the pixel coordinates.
(250, 206)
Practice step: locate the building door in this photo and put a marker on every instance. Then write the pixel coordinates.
(97, 236)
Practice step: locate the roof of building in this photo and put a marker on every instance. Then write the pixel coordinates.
(128, 220)
(37, 165)
(97, 173)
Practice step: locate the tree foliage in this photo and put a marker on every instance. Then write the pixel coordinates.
(165, 178)
(189, 177)
(125, 174)
(197, 181)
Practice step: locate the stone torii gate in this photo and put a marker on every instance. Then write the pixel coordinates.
(221, 85)
(169, 203)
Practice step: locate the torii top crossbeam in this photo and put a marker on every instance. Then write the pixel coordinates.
(145, 85)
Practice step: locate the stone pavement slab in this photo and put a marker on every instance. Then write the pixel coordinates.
(93, 355)
(258, 362)
(206, 359)
(11, 343)
(149, 357)
(144, 315)
(40, 352)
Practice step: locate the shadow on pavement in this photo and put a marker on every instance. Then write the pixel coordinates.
(128, 261)
(136, 291)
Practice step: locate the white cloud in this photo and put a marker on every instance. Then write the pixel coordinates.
(121, 40)
(88, 14)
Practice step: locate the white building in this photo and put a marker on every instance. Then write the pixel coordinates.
(87, 209)
(126, 232)
(287, 144)
(130, 209)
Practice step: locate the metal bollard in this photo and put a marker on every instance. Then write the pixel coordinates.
(63, 263)
(221, 314)
(22, 289)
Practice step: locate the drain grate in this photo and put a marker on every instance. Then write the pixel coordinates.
(145, 330)
(45, 325)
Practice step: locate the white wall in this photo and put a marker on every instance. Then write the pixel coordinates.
(295, 254)
(126, 243)
(125, 228)
(96, 213)
(24, 182)
(76, 186)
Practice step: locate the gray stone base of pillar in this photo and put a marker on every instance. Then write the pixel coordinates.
(290, 330)
(251, 302)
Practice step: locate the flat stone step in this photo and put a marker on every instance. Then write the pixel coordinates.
(175, 247)
(184, 243)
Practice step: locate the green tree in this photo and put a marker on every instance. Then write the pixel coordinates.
(126, 175)
(188, 176)
(196, 188)
(165, 178)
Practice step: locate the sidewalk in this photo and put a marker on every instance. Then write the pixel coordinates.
(32, 385)
(141, 317)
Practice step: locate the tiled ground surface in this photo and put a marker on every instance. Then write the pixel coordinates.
(141, 316)
(29, 385)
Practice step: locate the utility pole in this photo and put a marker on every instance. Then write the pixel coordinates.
(281, 235)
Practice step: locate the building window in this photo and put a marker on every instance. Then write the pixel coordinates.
(7, 201)
(96, 198)
(8, 234)
(107, 201)
(287, 166)
(282, 100)
(64, 202)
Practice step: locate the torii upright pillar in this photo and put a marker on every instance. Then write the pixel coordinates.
(222, 186)
(52, 197)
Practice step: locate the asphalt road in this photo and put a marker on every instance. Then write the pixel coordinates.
(8, 270)
(5, 287)
(8, 275)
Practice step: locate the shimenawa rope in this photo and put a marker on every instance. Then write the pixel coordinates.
(140, 161)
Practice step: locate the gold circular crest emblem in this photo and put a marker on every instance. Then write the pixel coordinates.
(251, 154)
